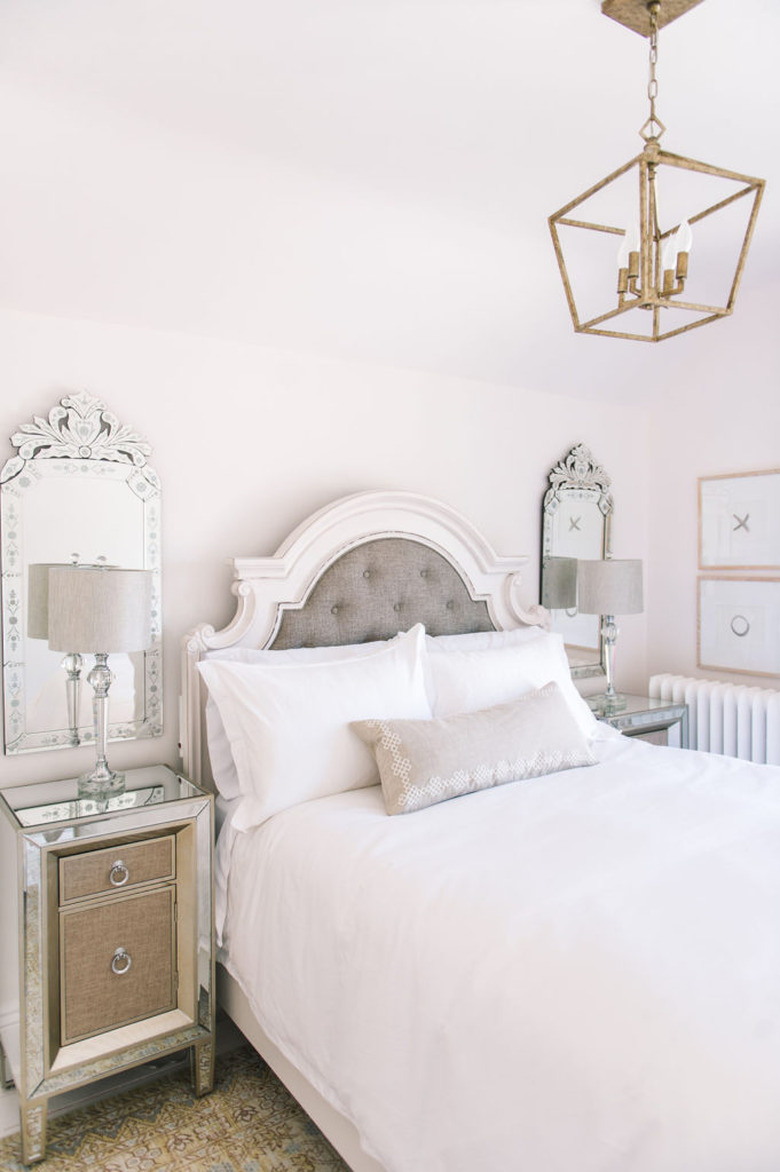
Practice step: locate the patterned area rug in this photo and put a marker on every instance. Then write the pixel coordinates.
(249, 1123)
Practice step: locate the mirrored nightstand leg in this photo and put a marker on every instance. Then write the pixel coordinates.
(202, 1067)
(6, 1078)
(33, 1120)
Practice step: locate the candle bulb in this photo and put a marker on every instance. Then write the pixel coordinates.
(622, 260)
(628, 257)
(668, 265)
(683, 239)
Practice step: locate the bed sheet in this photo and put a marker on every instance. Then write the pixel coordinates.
(574, 973)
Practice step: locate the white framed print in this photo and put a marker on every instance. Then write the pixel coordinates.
(739, 521)
(739, 625)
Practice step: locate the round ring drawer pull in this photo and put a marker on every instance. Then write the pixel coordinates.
(121, 962)
(119, 874)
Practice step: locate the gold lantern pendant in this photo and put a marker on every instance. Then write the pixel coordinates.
(655, 269)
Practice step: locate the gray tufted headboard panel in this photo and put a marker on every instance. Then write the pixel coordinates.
(378, 588)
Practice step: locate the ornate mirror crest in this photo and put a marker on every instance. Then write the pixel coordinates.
(79, 487)
(579, 471)
(576, 516)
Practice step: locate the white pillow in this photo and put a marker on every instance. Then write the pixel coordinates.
(483, 640)
(295, 654)
(223, 767)
(464, 681)
(287, 724)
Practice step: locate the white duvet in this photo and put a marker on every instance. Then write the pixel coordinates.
(577, 973)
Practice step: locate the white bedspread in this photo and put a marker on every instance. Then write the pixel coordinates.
(578, 973)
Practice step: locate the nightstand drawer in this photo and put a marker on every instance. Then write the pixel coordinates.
(117, 962)
(117, 868)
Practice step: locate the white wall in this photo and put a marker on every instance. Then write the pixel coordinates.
(249, 441)
(719, 412)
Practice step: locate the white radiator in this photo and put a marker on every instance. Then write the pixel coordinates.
(727, 718)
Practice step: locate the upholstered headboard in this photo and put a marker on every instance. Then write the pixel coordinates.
(378, 589)
(364, 568)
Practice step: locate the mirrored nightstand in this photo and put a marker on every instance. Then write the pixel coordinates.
(651, 719)
(113, 959)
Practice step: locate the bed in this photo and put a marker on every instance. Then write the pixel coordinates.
(536, 946)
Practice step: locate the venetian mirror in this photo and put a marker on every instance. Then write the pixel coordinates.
(78, 489)
(575, 524)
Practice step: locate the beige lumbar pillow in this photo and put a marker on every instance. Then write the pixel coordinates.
(421, 762)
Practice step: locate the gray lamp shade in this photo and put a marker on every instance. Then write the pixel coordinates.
(559, 583)
(610, 586)
(99, 609)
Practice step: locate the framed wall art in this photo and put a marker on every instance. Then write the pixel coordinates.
(739, 625)
(739, 521)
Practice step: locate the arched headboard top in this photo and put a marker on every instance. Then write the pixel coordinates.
(362, 568)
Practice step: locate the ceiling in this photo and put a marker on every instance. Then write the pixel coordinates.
(363, 179)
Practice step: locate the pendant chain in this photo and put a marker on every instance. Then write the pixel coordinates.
(654, 126)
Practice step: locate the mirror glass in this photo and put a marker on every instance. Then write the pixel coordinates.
(575, 524)
(79, 489)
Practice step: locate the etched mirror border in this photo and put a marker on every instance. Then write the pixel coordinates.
(579, 475)
(82, 433)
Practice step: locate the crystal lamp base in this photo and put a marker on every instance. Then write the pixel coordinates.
(605, 705)
(101, 783)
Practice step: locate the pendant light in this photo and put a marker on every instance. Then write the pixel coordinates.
(668, 233)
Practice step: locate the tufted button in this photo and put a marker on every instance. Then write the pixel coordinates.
(366, 573)
(450, 604)
(423, 573)
(397, 607)
(334, 610)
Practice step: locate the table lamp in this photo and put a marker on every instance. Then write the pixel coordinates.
(99, 610)
(609, 587)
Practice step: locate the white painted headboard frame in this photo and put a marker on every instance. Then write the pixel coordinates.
(267, 586)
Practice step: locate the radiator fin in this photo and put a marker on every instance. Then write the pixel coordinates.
(732, 719)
